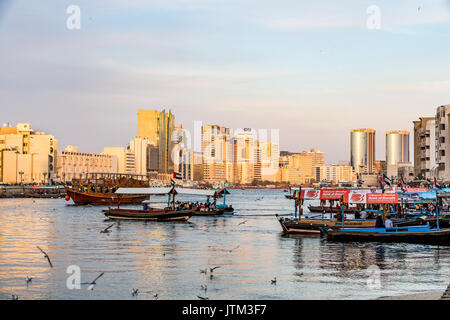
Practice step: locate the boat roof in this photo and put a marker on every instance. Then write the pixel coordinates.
(166, 190)
(149, 191)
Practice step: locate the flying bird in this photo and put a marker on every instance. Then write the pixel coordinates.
(107, 229)
(204, 287)
(212, 269)
(242, 222)
(274, 281)
(134, 292)
(14, 297)
(234, 249)
(203, 270)
(93, 283)
(46, 256)
(28, 280)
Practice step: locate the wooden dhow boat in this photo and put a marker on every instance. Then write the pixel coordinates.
(100, 188)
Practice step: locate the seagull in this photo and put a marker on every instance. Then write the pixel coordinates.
(204, 287)
(234, 249)
(14, 297)
(46, 256)
(93, 283)
(28, 280)
(274, 281)
(203, 298)
(134, 292)
(107, 229)
(155, 296)
(203, 270)
(242, 222)
(212, 269)
(211, 276)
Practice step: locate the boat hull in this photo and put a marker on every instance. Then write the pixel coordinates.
(148, 215)
(441, 236)
(82, 198)
(218, 212)
(313, 226)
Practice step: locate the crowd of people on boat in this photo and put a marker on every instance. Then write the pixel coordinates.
(206, 206)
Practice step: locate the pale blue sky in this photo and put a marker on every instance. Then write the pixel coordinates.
(310, 68)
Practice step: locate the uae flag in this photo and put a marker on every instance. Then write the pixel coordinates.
(387, 180)
(172, 183)
(436, 184)
(177, 175)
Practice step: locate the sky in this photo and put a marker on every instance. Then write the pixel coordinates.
(312, 69)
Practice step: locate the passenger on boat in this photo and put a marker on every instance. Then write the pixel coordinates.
(379, 222)
(363, 214)
(388, 223)
(145, 207)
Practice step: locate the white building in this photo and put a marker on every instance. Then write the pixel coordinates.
(442, 140)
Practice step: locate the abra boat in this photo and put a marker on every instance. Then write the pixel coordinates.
(329, 209)
(414, 234)
(149, 214)
(313, 226)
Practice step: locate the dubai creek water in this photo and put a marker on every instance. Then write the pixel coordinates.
(166, 257)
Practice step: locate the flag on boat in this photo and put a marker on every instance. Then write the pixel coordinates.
(387, 180)
(177, 175)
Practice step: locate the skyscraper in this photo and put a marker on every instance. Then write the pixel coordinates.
(397, 147)
(362, 150)
(158, 126)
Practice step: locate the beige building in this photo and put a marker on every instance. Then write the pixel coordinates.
(27, 156)
(72, 164)
(125, 159)
(270, 155)
(424, 147)
(334, 173)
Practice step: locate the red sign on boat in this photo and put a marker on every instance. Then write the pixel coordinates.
(380, 198)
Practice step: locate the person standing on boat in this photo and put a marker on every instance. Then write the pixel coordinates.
(379, 222)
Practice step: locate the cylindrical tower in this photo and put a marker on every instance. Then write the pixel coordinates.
(362, 150)
(397, 147)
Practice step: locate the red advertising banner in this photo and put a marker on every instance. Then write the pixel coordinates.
(332, 194)
(375, 198)
(414, 190)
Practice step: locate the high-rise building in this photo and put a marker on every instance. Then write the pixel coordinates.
(125, 159)
(217, 149)
(362, 150)
(270, 164)
(442, 141)
(397, 147)
(248, 158)
(424, 147)
(397, 150)
(158, 127)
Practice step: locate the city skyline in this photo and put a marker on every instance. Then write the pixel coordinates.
(269, 67)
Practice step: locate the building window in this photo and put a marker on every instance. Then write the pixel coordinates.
(442, 152)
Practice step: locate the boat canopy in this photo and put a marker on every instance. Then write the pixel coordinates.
(166, 190)
(149, 191)
(198, 192)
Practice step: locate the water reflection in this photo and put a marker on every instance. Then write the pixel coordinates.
(166, 257)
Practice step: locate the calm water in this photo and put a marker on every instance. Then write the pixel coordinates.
(165, 258)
